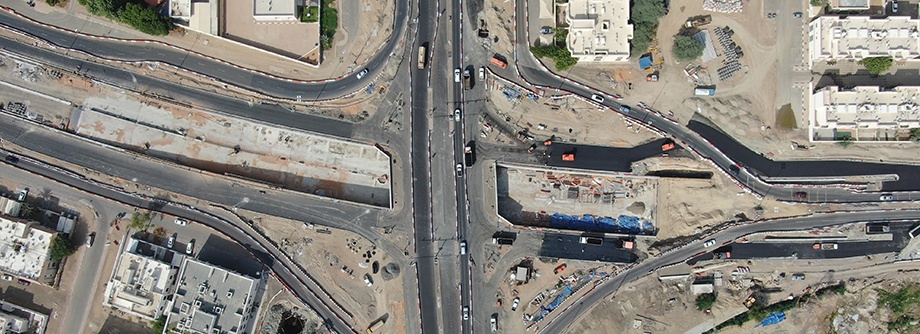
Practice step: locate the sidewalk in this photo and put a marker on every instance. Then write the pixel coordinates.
(75, 17)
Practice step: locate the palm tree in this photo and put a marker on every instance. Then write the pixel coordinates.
(140, 221)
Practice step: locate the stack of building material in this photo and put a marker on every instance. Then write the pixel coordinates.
(722, 6)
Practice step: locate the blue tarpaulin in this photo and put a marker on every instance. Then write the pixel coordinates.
(773, 319)
(645, 62)
(622, 224)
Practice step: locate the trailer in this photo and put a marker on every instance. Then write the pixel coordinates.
(498, 62)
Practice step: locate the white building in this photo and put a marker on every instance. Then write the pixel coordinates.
(17, 319)
(198, 15)
(599, 30)
(858, 37)
(143, 277)
(276, 10)
(866, 108)
(210, 300)
(24, 248)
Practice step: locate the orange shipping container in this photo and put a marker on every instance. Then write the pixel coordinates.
(499, 62)
(568, 157)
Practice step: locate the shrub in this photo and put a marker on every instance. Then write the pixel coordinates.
(644, 16)
(328, 23)
(310, 14)
(560, 55)
(705, 301)
(145, 19)
(876, 65)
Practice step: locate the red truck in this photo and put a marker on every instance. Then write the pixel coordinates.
(498, 62)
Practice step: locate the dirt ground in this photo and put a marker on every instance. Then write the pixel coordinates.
(569, 119)
(326, 254)
(546, 283)
(279, 305)
(688, 205)
(668, 306)
(498, 18)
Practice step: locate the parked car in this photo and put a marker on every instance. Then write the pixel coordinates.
(546, 30)
(181, 222)
(190, 247)
(797, 15)
(368, 280)
(23, 194)
(24, 282)
(597, 98)
(482, 73)
(8, 278)
(362, 73)
(798, 277)
(886, 197)
(515, 303)
(90, 239)
(171, 241)
(894, 6)
(800, 195)
(709, 243)
(493, 322)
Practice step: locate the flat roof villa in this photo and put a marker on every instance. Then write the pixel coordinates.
(599, 30)
(858, 37)
(210, 299)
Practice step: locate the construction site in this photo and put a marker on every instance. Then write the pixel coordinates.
(605, 203)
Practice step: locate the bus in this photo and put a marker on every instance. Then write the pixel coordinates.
(422, 57)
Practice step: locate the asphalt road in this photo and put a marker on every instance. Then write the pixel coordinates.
(426, 270)
(276, 87)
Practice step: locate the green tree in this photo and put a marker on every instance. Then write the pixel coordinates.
(140, 221)
(107, 8)
(61, 247)
(647, 11)
(818, 3)
(643, 34)
(328, 23)
(158, 325)
(26, 210)
(686, 48)
(876, 65)
(54, 2)
(705, 301)
(560, 35)
(310, 14)
(145, 19)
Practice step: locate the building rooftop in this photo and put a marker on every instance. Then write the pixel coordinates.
(858, 37)
(18, 319)
(210, 299)
(180, 9)
(599, 30)
(276, 9)
(849, 4)
(24, 247)
(866, 107)
(144, 275)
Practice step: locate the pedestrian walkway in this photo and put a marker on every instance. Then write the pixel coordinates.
(76, 18)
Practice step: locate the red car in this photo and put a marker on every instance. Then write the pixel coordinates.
(801, 194)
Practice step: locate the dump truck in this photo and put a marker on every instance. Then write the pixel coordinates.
(498, 62)
(422, 57)
(591, 240)
(568, 157)
(698, 21)
(560, 268)
(828, 246)
(467, 80)
(704, 91)
(374, 327)
(667, 147)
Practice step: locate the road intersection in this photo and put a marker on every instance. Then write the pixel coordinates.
(442, 214)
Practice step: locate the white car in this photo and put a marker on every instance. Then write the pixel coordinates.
(8, 278)
(466, 313)
(190, 247)
(362, 73)
(709, 243)
(482, 73)
(181, 222)
(597, 98)
(367, 280)
(515, 303)
(463, 247)
(457, 115)
(494, 322)
(886, 197)
(457, 75)
(459, 169)
(171, 241)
